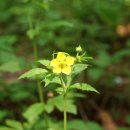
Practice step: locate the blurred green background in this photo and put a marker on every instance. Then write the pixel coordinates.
(101, 27)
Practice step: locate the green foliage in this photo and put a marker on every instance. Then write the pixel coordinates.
(103, 59)
(12, 66)
(58, 103)
(33, 112)
(78, 68)
(14, 124)
(34, 73)
(78, 125)
(96, 73)
(3, 114)
(83, 87)
(46, 63)
(118, 57)
(128, 119)
(124, 128)
(51, 78)
(5, 128)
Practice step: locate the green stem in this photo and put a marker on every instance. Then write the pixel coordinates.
(41, 97)
(40, 91)
(65, 102)
(30, 21)
(35, 52)
(65, 113)
(62, 82)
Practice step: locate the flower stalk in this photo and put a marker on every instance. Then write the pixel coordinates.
(65, 112)
(64, 102)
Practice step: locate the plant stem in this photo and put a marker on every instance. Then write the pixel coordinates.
(40, 91)
(65, 102)
(35, 52)
(65, 112)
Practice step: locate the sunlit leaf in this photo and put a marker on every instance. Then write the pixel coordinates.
(77, 125)
(12, 66)
(51, 78)
(84, 87)
(58, 102)
(59, 90)
(44, 62)
(5, 128)
(78, 68)
(34, 73)
(49, 107)
(14, 124)
(33, 111)
(82, 125)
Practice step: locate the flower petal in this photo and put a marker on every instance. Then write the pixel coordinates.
(66, 70)
(57, 70)
(61, 56)
(70, 60)
(54, 63)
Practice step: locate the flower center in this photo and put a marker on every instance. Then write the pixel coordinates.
(62, 65)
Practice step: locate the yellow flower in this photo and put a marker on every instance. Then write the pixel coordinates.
(62, 63)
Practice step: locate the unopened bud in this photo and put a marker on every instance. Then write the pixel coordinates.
(78, 49)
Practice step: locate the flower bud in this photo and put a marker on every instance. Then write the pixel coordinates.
(78, 49)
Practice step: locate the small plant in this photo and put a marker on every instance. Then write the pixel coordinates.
(61, 70)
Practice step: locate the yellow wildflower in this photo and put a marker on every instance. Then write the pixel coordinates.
(62, 63)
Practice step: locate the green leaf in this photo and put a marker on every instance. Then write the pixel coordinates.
(82, 125)
(44, 62)
(71, 108)
(73, 94)
(77, 125)
(3, 114)
(59, 90)
(58, 103)
(34, 73)
(51, 78)
(93, 126)
(84, 87)
(77, 68)
(128, 119)
(49, 107)
(14, 124)
(31, 33)
(103, 59)
(5, 128)
(12, 66)
(124, 128)
(55, 125)
(33, 112)
(7, 41)
(96, 73)
(118, 56)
